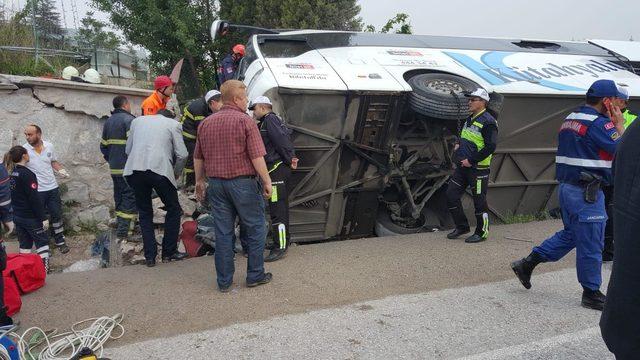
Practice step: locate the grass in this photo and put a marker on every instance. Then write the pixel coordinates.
(525, 218)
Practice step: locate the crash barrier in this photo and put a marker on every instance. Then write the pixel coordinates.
(36, 343)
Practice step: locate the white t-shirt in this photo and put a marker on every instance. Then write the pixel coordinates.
(40, 164)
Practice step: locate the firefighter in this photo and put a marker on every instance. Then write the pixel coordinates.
(163, 89)
(112, 146)
(607, 253)
(280, 160)
(587, 142)
(192, 117)
(229, 64)
(472, 159)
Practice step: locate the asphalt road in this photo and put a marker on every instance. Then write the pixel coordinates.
(443, 298)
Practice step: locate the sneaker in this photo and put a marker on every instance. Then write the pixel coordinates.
(593, 299)
(63, 248)
(456, 233)
(150, 263)
(265, 280)
(225, 289)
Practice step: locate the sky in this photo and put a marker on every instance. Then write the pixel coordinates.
(541, 19)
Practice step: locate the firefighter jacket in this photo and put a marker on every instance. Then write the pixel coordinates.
(114, 140)
(192, 116)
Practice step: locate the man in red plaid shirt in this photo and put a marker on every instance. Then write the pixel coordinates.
(229, 152)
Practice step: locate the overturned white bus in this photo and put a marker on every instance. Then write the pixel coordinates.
(375, 117)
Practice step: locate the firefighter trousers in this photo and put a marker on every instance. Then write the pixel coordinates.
(125, 200)
(477, 180)
(279, 204)
(188, 172)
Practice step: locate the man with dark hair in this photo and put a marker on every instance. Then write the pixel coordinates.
(146, 171)
(192, 117)
(229, 152)
(280, 160)
(112, 146)
(586, 144)
(472, 158)
(43, 161)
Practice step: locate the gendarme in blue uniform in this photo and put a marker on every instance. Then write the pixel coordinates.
(586, 143)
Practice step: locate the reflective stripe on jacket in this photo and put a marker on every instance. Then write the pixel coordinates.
(114, 140)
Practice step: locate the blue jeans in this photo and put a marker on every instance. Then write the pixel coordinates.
(240, 197)
(584, 225)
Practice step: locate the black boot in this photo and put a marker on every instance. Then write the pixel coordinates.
(281, 240)
(524, 267)
(593, 299)
(456, 233)
(275, 255)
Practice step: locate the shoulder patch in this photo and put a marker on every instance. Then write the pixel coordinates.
(609, 125)
(34, 186)
(615, 136)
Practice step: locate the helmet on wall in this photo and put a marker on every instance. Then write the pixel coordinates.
(92, 76)
(68, 72)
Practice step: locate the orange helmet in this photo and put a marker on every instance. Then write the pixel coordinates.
(238, 49)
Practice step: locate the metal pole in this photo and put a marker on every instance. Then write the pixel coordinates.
(35, 31)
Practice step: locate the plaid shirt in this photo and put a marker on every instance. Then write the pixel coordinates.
(227, 142)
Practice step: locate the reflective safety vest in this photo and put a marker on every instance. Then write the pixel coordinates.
(473, 133)
(629, 117)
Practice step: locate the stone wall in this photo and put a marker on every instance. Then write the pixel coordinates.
(71, 116)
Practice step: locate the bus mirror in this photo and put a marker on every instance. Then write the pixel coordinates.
(219, 28)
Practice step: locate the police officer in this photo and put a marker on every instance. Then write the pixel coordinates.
(587, 142)
(229, 64)
(472, 159)
(607, 253)
(192, 117)
(112, 146)
(280, 160)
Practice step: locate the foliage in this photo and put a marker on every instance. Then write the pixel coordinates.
(92, 34)
(525, 218)
(402, 22)
(175, 29)
(47, 22)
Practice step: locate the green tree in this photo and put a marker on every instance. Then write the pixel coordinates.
(47, 22)
(92, 34)
(399, 24)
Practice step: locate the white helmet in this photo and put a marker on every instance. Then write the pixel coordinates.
(68, 72)
(92, 76)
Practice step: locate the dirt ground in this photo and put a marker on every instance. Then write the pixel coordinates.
(181, 297)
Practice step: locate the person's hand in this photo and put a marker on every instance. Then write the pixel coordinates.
(267, 190)
(294, 163)
(615, 115)
(201, 188)
(9, 227)
(45, 225)
(465, 163)
(456, 146)
(64, 173)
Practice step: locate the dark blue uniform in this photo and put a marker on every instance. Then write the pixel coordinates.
(227, 69)
(112, 146)
(587, 143)
(280, 151)
(6, 213)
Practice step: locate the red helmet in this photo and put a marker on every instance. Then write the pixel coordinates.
(162, 81)
(238, 49)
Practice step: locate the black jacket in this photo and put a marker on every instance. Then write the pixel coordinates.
(5, 195)
(114, 140)
(24, 194)
(277, 139)
(620, 321)
(192, 117)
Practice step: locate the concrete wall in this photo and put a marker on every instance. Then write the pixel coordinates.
(71, 116)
